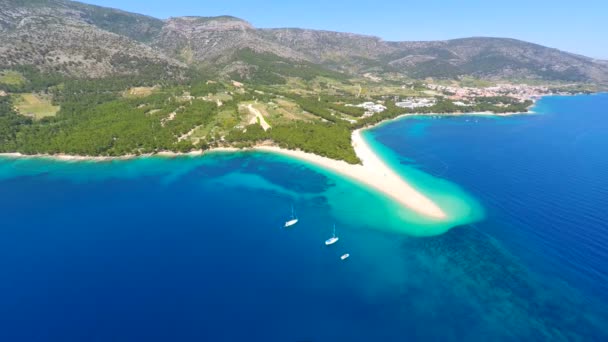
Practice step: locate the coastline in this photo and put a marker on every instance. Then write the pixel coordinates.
(69, 157)
(372, 172)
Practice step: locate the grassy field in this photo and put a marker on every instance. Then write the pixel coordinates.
(283, 111)
(11, 78)
(35, 105)
(220, 125)
(139, 92)
(361, 87)
(475, 83)
(218, 97)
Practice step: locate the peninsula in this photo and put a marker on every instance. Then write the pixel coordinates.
(374, 173)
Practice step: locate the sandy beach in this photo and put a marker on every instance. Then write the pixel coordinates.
(69, 157)
(373, 172)
(65, 157)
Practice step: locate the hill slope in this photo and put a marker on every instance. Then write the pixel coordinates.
(493, 58)
(77, 39)
(85, 40)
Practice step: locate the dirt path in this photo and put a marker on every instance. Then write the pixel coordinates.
(258, 116)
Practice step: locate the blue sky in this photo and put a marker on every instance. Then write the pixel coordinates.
(575, 26)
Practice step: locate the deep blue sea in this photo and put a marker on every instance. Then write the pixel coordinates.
(192, 248)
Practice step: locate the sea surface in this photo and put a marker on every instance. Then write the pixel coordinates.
(193, 249)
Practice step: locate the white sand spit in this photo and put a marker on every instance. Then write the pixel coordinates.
(374, 173)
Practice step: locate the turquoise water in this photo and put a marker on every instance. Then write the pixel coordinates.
(192, 248)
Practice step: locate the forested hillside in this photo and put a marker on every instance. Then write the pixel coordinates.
(87, 80)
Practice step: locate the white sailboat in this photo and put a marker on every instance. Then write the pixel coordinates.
(293, 220)
(332, 239)
(344, 256)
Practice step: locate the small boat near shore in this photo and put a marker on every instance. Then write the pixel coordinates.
(293, 220)
(332, 239)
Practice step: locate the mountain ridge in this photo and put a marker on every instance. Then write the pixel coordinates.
(92, 41)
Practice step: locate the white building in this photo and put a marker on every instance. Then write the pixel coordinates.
(416, 103)
(371, 108)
